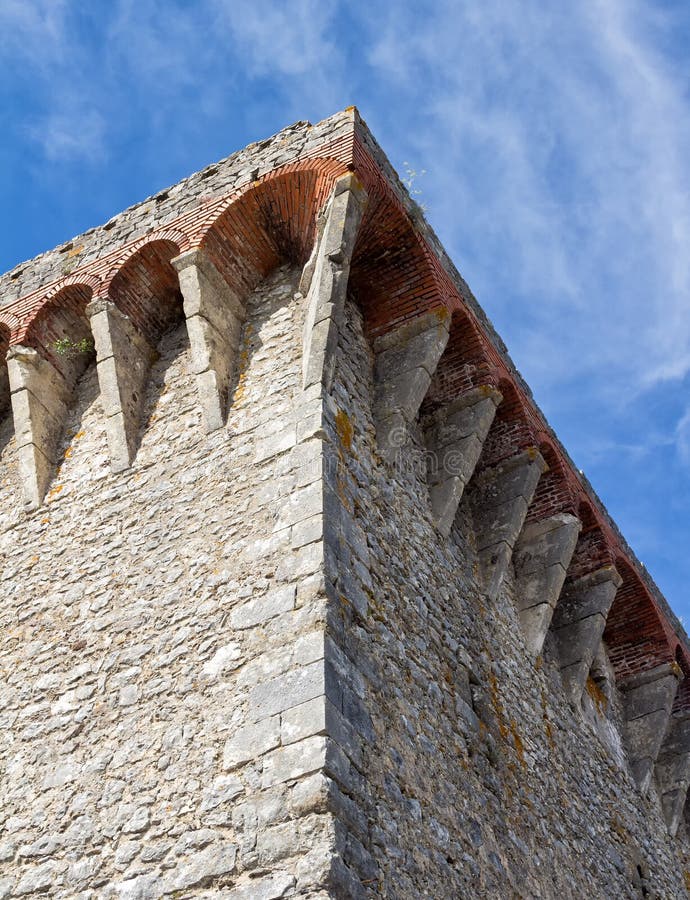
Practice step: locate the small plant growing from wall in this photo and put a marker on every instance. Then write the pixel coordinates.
(410, 182)
(70, 349)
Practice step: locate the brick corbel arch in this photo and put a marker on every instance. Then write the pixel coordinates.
(178, 238)
(268, 221)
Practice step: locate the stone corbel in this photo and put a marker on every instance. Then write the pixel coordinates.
(578, 625)
(214, 317)
(406, 358)
(40, 400)
(673, 769)
(501, 496)
(541, 558)
(647, 702)
(325, 276)
(123, 359)
(455, 436)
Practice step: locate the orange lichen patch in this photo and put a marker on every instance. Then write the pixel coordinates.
(79, 434)
(598, 696)
(344, 429)
(68, 452)
(519, 745)
(498, 705)
(75, 251)
(53, 492)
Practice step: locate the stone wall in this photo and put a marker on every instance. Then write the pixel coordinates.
(476, 776)
(302, 595)
(145, 616)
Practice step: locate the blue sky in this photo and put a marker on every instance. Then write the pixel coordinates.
(555, 139)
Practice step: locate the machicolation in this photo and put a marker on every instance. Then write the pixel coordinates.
(302, 595)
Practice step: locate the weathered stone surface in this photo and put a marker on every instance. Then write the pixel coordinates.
(268, 888)
(251, 741)
(131, 656)
(578, 624)
(500, 498)
(647, 702)
(455, 437)
(406, 358)
(541, 557)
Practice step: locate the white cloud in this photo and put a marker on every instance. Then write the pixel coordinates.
(683, 437)
(276, 38)
(33, 30)
(559, 142)
(78, 134)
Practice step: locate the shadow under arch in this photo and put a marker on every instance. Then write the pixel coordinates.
(271, 223)
(145, 288)
(464, 365)
(6, 424)
(5, 335)
(554, 492)
(61, 333)
(392, 276)
(511, 430)
(592, 551)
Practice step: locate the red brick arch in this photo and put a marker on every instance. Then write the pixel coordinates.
(391, 277)
(464, 364)
(556, 492)
(593, 550)
(271, 221)
(512, 429)
(173, 236)
(12, 325)
(63, 317)
(145, 287)
(636, 635)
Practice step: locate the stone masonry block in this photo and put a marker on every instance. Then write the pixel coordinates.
(647, 702)
(251, 742)
(294, 761)
(406, 358)
(293, 688)
(301, 504)
(261, 609)
(214, 317)
(673, 770)
(578, 624)
(541, 558)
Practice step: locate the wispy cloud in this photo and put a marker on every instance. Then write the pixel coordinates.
(71, 135)
(287, 39)
(683, 437)
(560, 143)
(33, 31)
